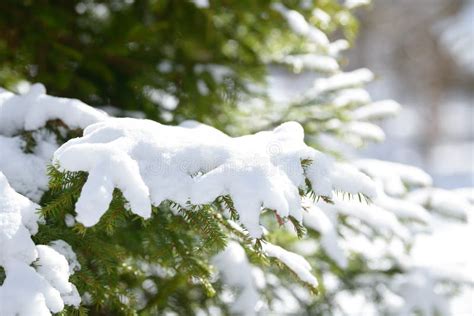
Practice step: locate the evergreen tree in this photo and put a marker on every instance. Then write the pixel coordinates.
(155, 219)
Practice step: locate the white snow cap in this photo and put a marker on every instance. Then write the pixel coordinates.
(352, 4)
(444, 202)
(342, 80)
(236, 271)
(417, 288)
(394, 176)
(376, 110)
(311, 62)
(65, 249)
(300, 26)
(26, 172)
(376, 217)
(196, 163)
(33, 109)
(26, 290)
(315, 218)
(293, 261)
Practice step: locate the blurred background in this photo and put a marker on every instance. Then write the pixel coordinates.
(423, 55)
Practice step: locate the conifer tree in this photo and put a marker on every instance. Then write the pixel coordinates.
(125, 216)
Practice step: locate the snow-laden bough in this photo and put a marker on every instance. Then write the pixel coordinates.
(195, 164)
(30, 112)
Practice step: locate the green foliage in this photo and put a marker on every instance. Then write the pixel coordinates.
(116, 52)
(111, 253)
(118, 254)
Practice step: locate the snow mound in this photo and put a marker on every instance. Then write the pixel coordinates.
(293, 261)
(311, 61)
(315, 218)
(377, 110)
(33, 109)
(194, 163)
(381, 220)
(418, 289)
(26, 171)
(27, 289)
(236, 271)
(444, 202)
(394, 177)
(299, 25)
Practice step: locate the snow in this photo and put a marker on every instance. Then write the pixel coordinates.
(194, 163)
(311, 62)
(202, 87)
(354, 304)
(326, 88)
(352, 4)
(377, 218)
(326, 175)
(352, 97)
(394, 177)
(293, 261)
(315, 218)
(300, 26)
(165, 100)
(466, 193)
(201, 3)
(258, 171)
(442, 201)
(53, 267)
(284, 302)
(218, 72)
(460, 155)
(402, 208)
(322, 17)
(417, 288)
(236, 271)
(25, 292)
(33, 109)
(26, 172)
(69, 220)
(445, 252)
(65, 249)
(15, 203)
(28, 290)
(338, 46)
(341, 80)
(72, 298)
(364, 130)
(376, 110)
(150, 286)
(165, 66)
